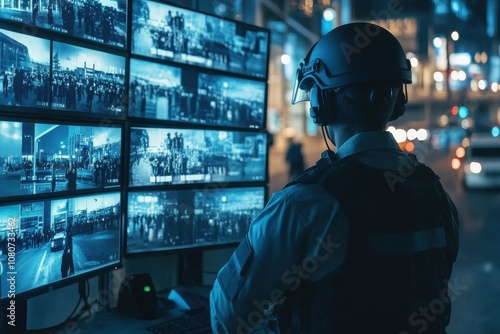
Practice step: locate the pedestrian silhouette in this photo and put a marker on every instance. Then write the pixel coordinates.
(295, 159)
(71, 177)
(67, 265)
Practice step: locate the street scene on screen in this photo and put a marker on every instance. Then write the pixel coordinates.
(183, 36)
(60, 238)
(166, 92)
(180, 156)
(163, 220)
(41, 158)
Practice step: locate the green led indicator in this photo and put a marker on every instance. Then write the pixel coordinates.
(147, 288)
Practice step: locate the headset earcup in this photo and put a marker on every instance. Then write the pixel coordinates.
(314, 110)
(320, 111)
(399, 106)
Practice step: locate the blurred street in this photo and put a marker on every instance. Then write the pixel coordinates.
(474, 286)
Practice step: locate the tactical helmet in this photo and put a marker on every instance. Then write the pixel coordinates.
(350, 54)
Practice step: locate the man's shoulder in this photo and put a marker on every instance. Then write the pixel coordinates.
(313, 193)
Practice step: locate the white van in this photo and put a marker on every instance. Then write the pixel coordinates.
(481, 168)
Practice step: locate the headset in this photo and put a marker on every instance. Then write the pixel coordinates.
(333, 64)
(322, 108)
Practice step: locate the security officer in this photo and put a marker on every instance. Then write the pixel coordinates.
(365, 240)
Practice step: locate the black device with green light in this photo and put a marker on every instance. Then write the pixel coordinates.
(138, 295)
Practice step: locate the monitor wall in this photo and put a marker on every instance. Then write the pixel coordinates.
(73, 95)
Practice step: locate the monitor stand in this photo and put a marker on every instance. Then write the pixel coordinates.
(190, 268)
(190, 277)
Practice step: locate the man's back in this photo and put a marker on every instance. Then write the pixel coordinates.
(365, 249)
(401, 244)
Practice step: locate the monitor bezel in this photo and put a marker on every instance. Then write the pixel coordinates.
(237, 23)
(174, 127)
(42, 289)
(42, 111)
(67, 122)
(189, 247)
(33, 29)
(197, 73)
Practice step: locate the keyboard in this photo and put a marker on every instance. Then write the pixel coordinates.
(196, 323)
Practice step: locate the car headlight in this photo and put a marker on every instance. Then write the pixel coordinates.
(475, 167)
(455, 163)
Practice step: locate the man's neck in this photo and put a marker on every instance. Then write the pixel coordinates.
(339, 134)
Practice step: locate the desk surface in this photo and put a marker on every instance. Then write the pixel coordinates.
(114, 321)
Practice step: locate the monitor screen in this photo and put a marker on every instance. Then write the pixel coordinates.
(24, 70)
(101, 21)
(172, 219)
(87, 80)
(160, 156)
(46, 158)
(58, 240)
(185, 36)
(166, 92)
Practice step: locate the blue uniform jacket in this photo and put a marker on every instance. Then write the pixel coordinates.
(300, 235)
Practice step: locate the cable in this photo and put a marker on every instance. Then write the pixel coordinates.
(58, 326)
(85, 297)
(323, 130)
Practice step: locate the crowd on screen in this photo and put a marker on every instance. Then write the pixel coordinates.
(210, 106)
(95, 171)
(174, 159)
(106, 90)
(174, 227)
(26, 88)
(95, 221)
(82, 223)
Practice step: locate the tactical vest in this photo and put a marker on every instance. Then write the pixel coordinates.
(402, 242)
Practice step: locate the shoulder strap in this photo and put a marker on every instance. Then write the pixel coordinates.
(324, 167)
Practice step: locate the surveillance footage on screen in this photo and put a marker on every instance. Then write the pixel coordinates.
(184, 36)
(24, 70)
(184, 91)
(43, 158)
(87, 80)
(101, 21)
(161, 156)
(165, 220)
(165, 92)
(88, 226)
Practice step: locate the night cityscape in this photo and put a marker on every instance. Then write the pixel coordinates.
(146, 136)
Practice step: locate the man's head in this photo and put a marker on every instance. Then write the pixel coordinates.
(354, 76)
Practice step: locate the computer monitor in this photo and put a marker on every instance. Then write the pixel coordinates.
(185, 36)
(167, 220)
(178, 93)
(98, 21)
(43, 158)
(36, 236)
(25, 59)
(50, 243)
(172, 156)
